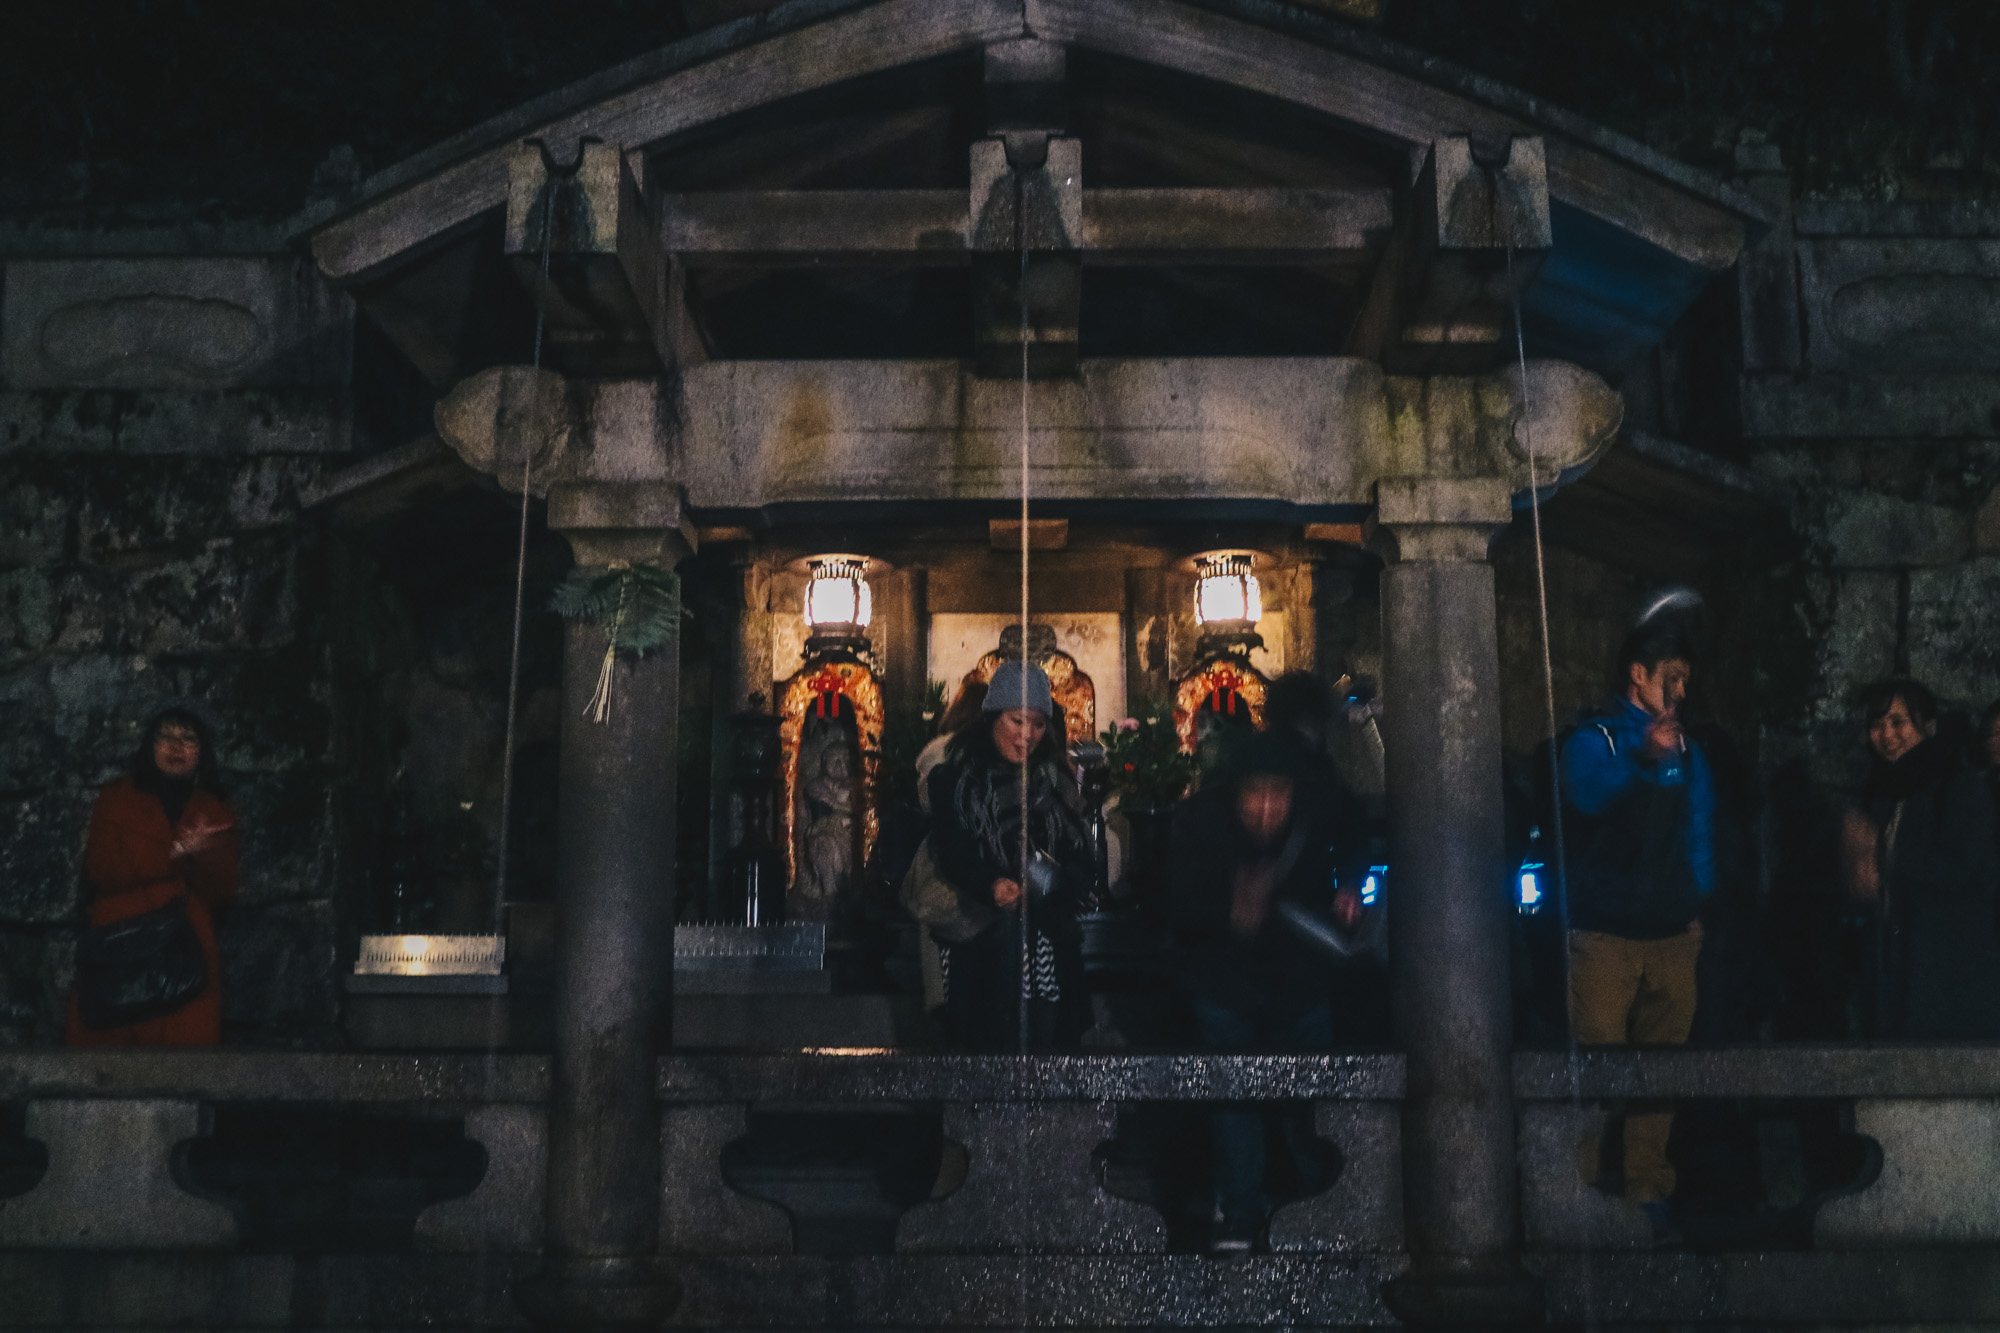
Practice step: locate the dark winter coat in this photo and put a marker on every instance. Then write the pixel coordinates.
(1274, 973)
(975, 839)
(1937, 960)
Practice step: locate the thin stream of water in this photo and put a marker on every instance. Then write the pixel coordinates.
(521, 576)
(1574, 1061)
(489, 1066)
(1027, 931)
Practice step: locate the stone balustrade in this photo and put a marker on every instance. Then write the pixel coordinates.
(1026, 1233)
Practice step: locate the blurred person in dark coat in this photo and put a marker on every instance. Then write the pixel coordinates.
(1921, 856)
(1248, 850)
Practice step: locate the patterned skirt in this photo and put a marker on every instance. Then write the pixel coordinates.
(1039, 983)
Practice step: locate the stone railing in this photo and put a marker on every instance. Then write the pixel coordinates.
(1932, 1112)
(1027, 1234)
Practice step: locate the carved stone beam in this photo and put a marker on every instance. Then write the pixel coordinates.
(1217, 226)
(590, 256)
(1440, 300)
(931, 228)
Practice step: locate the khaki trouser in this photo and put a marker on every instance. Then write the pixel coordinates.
(1633, 992)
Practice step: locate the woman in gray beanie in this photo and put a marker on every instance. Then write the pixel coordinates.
(975, 839)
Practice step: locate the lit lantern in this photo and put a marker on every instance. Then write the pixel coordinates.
(1223, 688)
(838, 603)
(1226, 596)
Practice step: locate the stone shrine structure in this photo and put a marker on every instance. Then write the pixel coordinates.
(1419, 431)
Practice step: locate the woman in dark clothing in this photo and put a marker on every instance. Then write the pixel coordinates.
(1921, 852)
(160, 833)
(976, 842)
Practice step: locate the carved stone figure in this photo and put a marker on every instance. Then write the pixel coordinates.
(824, 818)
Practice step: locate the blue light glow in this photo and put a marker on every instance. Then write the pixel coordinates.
(1530, 893)
(1371, 888)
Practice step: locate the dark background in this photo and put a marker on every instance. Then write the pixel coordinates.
(157, 109)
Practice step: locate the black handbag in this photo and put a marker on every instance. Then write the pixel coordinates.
(139, 968)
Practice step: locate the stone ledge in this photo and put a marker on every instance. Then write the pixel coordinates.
(1767, 1071)
(822, 1076)
(1793, 1287)
(870, 1076)
(840, 1076)
(76, 1290)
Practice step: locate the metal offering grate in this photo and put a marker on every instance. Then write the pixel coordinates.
(431, 955)
(792, 947)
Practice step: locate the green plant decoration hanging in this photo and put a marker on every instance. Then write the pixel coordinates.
(639, 607)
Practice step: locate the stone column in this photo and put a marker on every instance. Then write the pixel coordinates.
(1448, 909)
(902, 637)
(614, 944)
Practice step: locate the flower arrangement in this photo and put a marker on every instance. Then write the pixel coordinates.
(1149, 770)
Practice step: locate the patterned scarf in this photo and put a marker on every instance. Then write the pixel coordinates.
(988, 801)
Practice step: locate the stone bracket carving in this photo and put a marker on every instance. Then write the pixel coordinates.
(1025, 232)
(700, 1212)
(1031, 1186)
(585, 246)
(1440, 299)
(503, 1214)
(109, 1183)
(507, 418)
(1362, 1211)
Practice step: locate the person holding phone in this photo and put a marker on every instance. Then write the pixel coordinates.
(162, 841)
(976, 841)
(1639, 819)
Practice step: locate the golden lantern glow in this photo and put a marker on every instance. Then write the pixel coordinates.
(837, 595)
(1225, 590)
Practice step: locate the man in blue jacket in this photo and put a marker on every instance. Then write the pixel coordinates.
(1639, 820)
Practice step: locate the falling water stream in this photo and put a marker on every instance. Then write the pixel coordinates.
(1555, 831)
(1027, 929)
(526, 432)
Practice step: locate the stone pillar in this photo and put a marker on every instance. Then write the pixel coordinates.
(902, 639)
(614, 945)
(1448, 909)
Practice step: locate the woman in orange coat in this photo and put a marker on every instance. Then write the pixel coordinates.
(160, 832)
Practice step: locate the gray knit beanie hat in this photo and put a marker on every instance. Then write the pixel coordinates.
(1019, 685)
